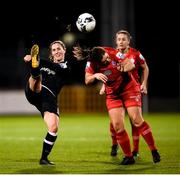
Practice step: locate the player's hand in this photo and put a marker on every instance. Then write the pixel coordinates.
(120, 67)
(126, 65)
(102, 90)
(27, 58)
(143, 88)
(101, 77)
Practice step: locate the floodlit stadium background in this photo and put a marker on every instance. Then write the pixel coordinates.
(153, 27)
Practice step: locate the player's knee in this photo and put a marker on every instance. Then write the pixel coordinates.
(137, 123)
(53, 128)
(52, 121)
(118, 128)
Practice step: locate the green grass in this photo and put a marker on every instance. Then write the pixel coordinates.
(83, 146)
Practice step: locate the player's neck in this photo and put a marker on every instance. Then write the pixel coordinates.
(124, 50)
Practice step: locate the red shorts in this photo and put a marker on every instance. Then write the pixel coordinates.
(130, 97)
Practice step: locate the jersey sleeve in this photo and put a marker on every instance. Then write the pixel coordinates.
(89, 67)
(140, 58)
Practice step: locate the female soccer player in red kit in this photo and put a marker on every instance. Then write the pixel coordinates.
(122, 40)
(122, 91)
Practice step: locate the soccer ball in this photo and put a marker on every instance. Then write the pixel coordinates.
(86, 22)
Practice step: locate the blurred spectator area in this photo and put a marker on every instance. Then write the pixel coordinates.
(72, 99)
(79, 99)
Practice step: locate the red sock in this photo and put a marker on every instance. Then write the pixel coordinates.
(135, 136)
(146, 132)
(124, 142)
(113, 135)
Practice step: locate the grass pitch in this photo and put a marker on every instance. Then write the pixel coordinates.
(83, 146)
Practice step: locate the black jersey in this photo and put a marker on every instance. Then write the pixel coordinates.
(54, 75)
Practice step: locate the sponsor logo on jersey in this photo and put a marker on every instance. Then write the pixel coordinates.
(107, 72)
(49, 71)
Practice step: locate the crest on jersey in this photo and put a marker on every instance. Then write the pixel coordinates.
(120, 55)
(114, 63)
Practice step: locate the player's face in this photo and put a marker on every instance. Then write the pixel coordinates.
(122, 41)
(106, 59)
(58, 53)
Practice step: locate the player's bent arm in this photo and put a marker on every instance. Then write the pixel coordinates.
(90, 78)
(144, 78)
(145, 73)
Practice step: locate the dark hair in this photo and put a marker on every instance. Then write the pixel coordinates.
(97, 53)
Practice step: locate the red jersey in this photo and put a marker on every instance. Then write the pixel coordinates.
(136, 57)
(117, 81)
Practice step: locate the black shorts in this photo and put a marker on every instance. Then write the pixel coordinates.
(43, 101)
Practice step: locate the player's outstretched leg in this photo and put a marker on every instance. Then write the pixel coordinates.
(35, 70)
(34, 55)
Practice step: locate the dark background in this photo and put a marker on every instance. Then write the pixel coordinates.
(156, 36)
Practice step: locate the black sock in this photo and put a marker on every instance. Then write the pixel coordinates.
(35, 72)
(48, 144)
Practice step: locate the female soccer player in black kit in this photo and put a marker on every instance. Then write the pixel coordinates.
(45, 82)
